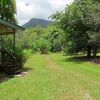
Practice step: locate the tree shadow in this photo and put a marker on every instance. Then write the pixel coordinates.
(4, 77)
(82, 59)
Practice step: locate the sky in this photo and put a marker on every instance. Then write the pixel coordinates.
(27, 9)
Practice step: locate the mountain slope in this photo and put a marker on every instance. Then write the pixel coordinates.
(34, 22)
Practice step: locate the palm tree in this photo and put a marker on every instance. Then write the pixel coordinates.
(8, 10)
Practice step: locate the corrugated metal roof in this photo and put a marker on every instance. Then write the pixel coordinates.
(11, 25)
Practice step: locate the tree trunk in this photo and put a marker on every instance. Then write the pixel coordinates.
(88, 51)
(94, 51)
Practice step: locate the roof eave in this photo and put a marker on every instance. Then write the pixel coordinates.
(11, 25)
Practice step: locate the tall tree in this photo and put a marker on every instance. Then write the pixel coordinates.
(81, 26)
(8, 10)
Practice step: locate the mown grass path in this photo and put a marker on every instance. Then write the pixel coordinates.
(54, 77)
(74, 79)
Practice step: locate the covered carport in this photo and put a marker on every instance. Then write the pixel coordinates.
(7, 28)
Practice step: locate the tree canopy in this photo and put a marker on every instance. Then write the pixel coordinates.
(81, 23)
(8, 10)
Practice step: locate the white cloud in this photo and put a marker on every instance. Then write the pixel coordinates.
(27, 9)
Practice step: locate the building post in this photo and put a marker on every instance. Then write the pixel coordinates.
(2, 54)
(14, 45)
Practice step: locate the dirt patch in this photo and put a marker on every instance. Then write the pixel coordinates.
(95, 60)
(21, 74)
(3, 77)
(87, 96)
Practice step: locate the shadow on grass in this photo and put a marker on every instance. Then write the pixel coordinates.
(5, 77)
(82, 59)
(26, 69)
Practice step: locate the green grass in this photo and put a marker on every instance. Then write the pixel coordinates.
(54, 77)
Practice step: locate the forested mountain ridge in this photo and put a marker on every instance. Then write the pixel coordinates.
(34, 22)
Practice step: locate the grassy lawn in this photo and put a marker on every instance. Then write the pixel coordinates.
(54, 77)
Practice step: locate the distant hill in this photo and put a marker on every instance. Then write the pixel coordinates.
(34, 22)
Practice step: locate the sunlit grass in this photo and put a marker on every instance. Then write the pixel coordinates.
(54, 77)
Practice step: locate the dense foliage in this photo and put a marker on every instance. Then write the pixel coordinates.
(75, 29)
(81, 23)
(41, 39)
(8, 10)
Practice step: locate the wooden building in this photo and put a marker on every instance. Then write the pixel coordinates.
(7, 28)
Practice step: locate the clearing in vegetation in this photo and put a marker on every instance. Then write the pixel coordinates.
(54, 77)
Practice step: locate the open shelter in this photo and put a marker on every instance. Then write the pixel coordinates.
(7, 28)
